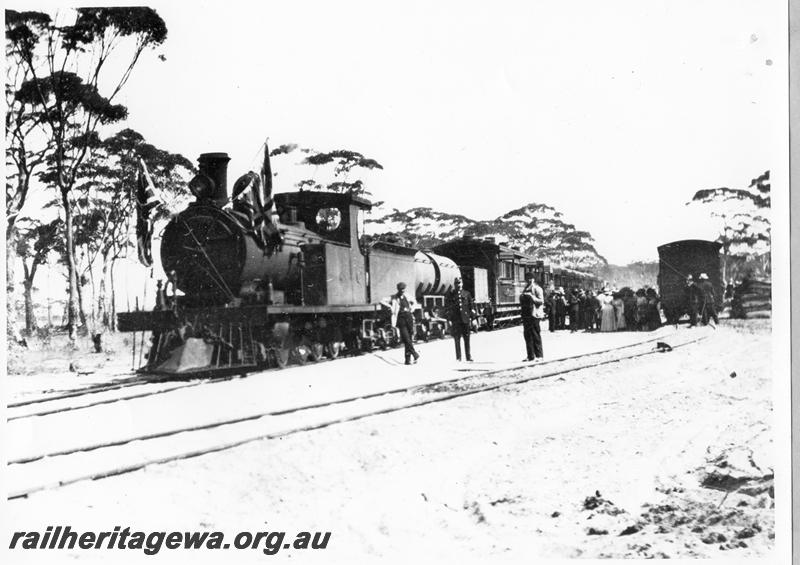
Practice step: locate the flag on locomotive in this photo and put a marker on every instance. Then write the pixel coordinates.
(253, 208)
(146, 203)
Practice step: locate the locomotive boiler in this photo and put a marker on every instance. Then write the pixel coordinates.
(237, 299)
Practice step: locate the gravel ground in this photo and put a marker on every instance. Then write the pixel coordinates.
(668, 455)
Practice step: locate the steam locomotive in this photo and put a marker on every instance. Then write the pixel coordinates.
(232, 304)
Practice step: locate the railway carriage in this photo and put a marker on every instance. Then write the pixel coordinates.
(678, 260)
(493, 273)
(549, 276)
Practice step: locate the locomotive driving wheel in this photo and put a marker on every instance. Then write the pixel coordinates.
(382, 338)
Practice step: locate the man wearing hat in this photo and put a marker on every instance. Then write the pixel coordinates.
(531, 303)
(460, 309)
(561, 309)
(402, 307)
(693, 300)
(709, 302)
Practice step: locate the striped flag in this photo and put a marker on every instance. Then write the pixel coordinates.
(266, 180)
(253, 207)
(146, 203)
(246, 205)
(266, 205)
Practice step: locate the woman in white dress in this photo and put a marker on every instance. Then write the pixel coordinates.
(608, 320)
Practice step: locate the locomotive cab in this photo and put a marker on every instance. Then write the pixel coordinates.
(334, 269)
(332, 216)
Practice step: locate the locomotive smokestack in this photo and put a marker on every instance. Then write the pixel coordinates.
(215, 165)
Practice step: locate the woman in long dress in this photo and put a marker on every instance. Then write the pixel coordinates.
(641, 310)
(630, 308)
(654, 315)
(608, 320)
(619, 311)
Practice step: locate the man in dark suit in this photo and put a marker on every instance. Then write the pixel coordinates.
(709, 300)
(694, 296)
(531, 303)
(460, 309)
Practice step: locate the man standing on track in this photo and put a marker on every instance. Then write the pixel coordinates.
(460, 310)
(709, 300)
(693, 299)
(531, 303)
(402, 307)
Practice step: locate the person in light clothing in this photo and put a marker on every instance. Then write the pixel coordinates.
(402, 307)
(709, 300)
(608, 320)
(531, 303)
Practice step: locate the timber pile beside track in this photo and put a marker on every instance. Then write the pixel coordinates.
(39, 471)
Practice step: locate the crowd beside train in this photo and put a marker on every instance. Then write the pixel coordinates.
(605, 310)
(611, 309)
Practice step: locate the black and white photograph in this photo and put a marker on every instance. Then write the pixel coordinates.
(436, 282)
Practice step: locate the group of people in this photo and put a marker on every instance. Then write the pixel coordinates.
(607, 310)
(460, 310)
(701, 300)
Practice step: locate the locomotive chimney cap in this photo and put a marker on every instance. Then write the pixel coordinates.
(214, 155)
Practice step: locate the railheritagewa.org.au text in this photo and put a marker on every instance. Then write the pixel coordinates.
(65, 538)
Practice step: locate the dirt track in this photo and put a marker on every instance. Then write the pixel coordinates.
(669, 455)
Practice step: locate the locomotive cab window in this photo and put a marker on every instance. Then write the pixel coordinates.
(329, 219)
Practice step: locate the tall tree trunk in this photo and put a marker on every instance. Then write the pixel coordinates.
(11, 311)
(113, 296)
(30, 316)
(81, 309)
(102, 317)
(72, 272)
(93, 310)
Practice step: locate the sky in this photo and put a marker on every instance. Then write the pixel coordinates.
(615, 113)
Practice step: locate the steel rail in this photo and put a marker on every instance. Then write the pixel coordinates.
(436, 396)
(117, 386)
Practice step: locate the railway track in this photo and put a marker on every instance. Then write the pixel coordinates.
(52, 469)
(76, 392)
(97, 395)
(22, 409)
